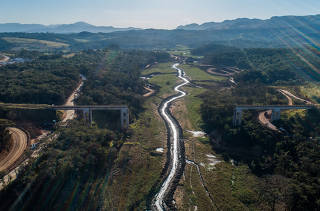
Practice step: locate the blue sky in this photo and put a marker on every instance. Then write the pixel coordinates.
(148, 13)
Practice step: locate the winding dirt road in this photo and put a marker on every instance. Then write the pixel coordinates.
(264, 115)
(287, 93)
(175, 161)
(4, 58)
(71, 114)
(19, 143)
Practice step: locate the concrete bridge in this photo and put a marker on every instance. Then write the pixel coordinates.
(276, 111)
(87, 111)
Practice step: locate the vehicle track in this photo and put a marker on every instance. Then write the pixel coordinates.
(176, 159)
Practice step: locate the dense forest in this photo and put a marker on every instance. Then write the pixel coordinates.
(293, 155)
(116, 80)
(269, 65)
(70, 174)
(286, 162)
(75, 168)
(50, 79)
(41, 81)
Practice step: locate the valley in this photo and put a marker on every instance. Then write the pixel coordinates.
(213, 121)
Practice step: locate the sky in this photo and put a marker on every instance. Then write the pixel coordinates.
(166, 14)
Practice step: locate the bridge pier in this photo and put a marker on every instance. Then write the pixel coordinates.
(276, 110)
(124, 118)
(237, 117)
(87, 112)
(276, 114)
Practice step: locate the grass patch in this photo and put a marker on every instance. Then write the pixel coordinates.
(197, 74)
(160, 68)
(182, 50)
(291, 113)
(70, 55)
(311, 91)
(166, 82)
(138, 168)
(193, 103)
(35, 41)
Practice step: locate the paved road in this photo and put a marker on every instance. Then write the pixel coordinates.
(19, 143)
(175, 162)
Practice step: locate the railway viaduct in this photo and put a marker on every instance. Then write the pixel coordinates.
(276, 111)
(86, 109)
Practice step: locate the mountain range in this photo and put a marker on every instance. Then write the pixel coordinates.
(246, 23)
(61, 29)
(281, 22)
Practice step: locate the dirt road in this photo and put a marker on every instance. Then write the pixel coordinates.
(71, 114)
(290, 101)
(148, 94)
(264, 120)
(4, 58)
(287, 93)
(19, 144)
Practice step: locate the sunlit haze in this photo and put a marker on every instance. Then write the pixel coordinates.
(148, 13)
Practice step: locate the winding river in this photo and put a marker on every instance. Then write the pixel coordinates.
(175, 162)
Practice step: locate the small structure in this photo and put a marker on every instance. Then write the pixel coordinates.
(276, 111)
(87, 112)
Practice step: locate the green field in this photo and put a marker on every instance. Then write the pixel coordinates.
(197, 74)
(311, 91)
(34, 44)
(166, 80)
(159, 68)
(181, 50)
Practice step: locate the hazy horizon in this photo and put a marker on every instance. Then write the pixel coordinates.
(163, 14)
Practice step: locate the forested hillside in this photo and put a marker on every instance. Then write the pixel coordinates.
(71, 172)
(51, 79)
(269, 65)
(279, 32)
(285, 161)
(82, 157)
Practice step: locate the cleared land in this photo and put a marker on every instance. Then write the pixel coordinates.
(159, 68)
(19, 142)
(34, 44)
(197, 74)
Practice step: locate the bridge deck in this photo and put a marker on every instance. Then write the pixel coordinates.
(57, 107)
(270, 107)
(91, 107)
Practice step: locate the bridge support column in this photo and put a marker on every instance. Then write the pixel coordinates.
(124, 118)
(90, 116)
(276, 114)
(237, 117)
(86, 114)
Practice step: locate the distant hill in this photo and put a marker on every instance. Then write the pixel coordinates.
(63, 28)
(245, 23)
(277, 32)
